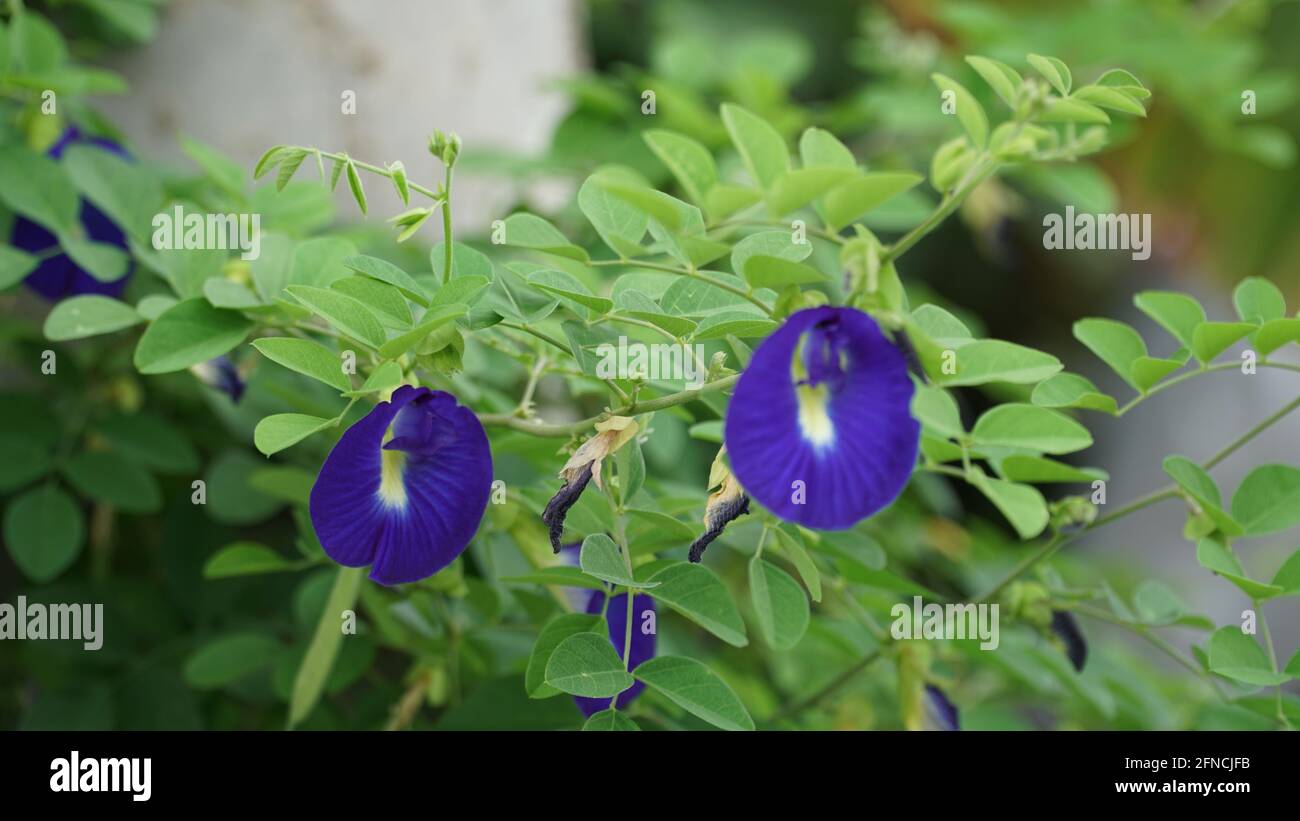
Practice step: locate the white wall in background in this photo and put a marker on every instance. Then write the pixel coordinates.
(244, 75)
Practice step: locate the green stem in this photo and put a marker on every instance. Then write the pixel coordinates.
(978, 173)
(446, 226)
(828, 690)
(1144, 631)
(373, 169)
(1183, 377)
(534, 332)
(758, 223)
(630, 409)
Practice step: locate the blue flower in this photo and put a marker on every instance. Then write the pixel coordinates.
(57, 276)
(407, 503)
(819, 430)
(940, 713)
(642, 649)
(1066, 628)
(221, 374)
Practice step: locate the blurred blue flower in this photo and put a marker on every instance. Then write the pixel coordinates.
(1066, 628)
(57, 276)
(222, 375)
(819, 430)
(940, 713)
(406, 503)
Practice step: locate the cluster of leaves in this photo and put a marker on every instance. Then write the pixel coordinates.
(703, 250)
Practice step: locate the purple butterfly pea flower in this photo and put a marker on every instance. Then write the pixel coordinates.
(1067, 629)
(642, 649)
(57, 276)
(643, 644)
(221, 374)
(825, 401)
(410, 504)
(940, 713)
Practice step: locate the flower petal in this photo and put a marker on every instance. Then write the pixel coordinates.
(838, 420)
(411, 506)
(643, 644)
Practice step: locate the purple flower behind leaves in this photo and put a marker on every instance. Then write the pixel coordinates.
(1066, 627)
(643, 644)
(58, 276)
(410, 504)
(222, 375)
(940, 713)
(819, 430)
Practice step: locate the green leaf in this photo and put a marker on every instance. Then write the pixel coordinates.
(1239, 657)
(229, 659)
(37, 188)
(1073, 111)
(1114, 343)
(343, 312)
(290, 160)
(189, 332)
(937, 410)
(735, 323)
(795, 189)
(762, 271)
(968, 109)
(1124, 81)
(1268, 500)
(1002, 78)
(385, 271)
(1069, 390)
(108, 477)
(432, 320)
(725, 199)
(282, 430)
(696, 689)
(992, 360)
(1257, 300)
(124, 190)
(150, 440)
(387, 303)
(222, 170)
(15, 265)
(89, 315)
(354, 183)
(819, 147)
(562, 576)
(586, 664)
(812, 577)
(779, 603)
(1288, 576)
(269, 160)
(306, 357)
(689, 161)
(245, 559)
(1148, 370)
(771, 244)
(44, 532)
(638, 305)
(1038, 470)
(696, 592)
(1177, 313)
(104, 262)
(849, 201)
(1214, 556)
(1213, 338)
(22, 460)
(556, 631)
(619, 224)
(225, 293)
(609, 720)
(1023, 505)
(1156, 604)
(602, 559)
(1031, 427)
(383, 378)
(1192, 478)
(562, 285)
(1105, 97)
(524, 230)
(314, 671)
(1056, 72)
(760, 146)
(1275, 333)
